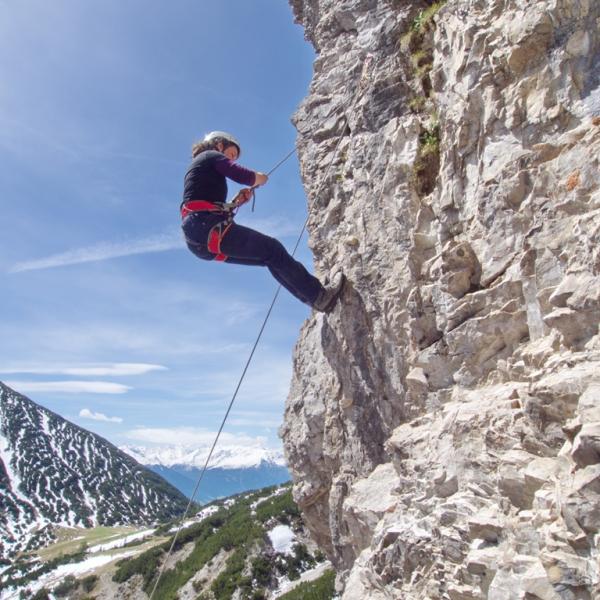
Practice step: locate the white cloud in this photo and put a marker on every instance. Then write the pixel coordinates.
(69, 387)
(86, 413)
(85, 370)
(103, 251)
(190, 436)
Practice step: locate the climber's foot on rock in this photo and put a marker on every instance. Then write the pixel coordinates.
(331, 292)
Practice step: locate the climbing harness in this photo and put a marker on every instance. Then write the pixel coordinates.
(192, 206)
(215, 237)
(364, 75)
(217, 231)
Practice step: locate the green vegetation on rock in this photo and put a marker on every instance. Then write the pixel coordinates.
(319, 589)
(238, 529)
(417, 45)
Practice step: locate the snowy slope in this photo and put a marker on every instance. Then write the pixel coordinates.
(53, 472)
(262, 532)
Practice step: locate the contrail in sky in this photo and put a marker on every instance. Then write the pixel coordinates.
(277, 227)
(103, 251)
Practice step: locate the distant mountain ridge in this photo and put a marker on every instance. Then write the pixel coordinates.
(224, 457)
(220, 483)
(232, 469)
(53, 472)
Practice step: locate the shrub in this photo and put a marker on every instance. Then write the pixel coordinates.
(424, 18)
(89, 583)
(231, 578)
(292, 566)
(199, 585)
(68, 584)
(145, 564)
(282, 506)
(262, 572)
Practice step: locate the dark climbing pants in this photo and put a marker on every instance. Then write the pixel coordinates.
(244, 246)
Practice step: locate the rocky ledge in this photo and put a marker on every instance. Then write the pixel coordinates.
(443, 423)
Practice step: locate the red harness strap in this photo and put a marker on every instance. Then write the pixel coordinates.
(217, 233)
(199, 205)
(215, 237)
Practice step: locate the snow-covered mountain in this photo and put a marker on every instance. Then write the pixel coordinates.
(224, 457)
(232, 469)
(53, 472)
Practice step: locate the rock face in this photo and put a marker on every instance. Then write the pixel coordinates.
(443, 423)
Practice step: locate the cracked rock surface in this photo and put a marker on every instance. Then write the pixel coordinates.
(443, 422)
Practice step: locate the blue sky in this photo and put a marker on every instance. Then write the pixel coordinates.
(108, 319)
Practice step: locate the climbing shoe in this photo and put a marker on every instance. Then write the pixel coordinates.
(330, 293)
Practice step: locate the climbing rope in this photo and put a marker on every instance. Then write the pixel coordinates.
(270, 172)
(364, 76)
(233, 206)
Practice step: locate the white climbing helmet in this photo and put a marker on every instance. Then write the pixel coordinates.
(216, 136)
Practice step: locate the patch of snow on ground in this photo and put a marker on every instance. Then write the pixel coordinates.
(200, 516)
(6, 456)
(207, 512)
(55, 577)
(76, 569)
(282, 538)
(140, 535)
(46, 423)
(183, 526)
(284, 585)
(277, 492)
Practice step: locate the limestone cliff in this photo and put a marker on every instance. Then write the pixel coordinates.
(443, 423)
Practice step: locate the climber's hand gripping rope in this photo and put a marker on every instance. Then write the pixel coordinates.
(243, 196)
(261, 179)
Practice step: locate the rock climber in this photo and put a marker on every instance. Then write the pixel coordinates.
(211, 233)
